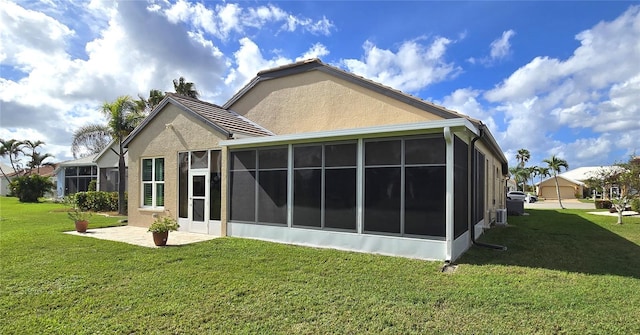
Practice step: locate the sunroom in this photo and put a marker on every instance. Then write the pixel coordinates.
(409, 190)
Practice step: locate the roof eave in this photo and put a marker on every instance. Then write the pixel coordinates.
(169, 99)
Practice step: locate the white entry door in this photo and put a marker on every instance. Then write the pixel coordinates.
(199, 201)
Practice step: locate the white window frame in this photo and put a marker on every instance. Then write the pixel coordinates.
(154, 183)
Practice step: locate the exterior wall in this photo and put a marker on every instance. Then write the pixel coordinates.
(495, 192)
(316, 101)
(568, 190)
(171, 131)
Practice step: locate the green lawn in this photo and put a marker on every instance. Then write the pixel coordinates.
(565, 272)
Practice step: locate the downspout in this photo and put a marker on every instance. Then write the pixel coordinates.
(472, 229)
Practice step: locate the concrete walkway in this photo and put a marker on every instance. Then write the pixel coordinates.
(141, 237)
(553, 204)
(573, 204)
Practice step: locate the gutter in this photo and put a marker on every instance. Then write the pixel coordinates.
(472, 230)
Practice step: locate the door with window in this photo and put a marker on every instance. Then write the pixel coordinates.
(198, 201)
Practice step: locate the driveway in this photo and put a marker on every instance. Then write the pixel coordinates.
(553, 204)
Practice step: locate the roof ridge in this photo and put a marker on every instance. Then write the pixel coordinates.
(317, 64)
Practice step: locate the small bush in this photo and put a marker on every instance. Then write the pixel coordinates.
(97, 201)
(30, 188)
(603, 204)
(635, 205)
(93, 185)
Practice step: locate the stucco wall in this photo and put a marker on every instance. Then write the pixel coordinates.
(568, 190)
(185, 133)
(316, 101)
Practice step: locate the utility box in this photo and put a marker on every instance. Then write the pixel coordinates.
(515, 207)
(501, 216)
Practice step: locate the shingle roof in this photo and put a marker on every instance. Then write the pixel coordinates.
(227, 120)
(222, 120)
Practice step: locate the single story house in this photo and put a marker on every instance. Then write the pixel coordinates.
(4, 183)
(47, 170)
(573, 183)
(75, 175)
(312, 155)
(107, 163)
(569, 188)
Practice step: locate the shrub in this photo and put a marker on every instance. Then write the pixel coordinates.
(635, 205)
(30, 188)
(164, 224)
(93, 184)
(97, 201)
(603, 204)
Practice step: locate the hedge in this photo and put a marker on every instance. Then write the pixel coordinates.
(603, 204)
(98, 201)
(31, 187)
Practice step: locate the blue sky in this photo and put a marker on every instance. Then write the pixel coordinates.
(556, 78)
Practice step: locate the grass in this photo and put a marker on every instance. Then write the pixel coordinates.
(565, 272)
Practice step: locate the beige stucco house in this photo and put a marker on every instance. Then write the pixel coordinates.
(312, 155)
(569, 188)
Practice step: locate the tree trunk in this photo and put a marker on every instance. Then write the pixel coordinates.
(555, 177)
(5, 176)
(619, 214)
(122, 208)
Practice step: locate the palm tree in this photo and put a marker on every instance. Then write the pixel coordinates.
(90, 139)
(530, 172)
(542, 172)
(183, 87)
(555, 166)
(523, 156)
(155, 96)
(123, 116)
(519, 174)
(11, 148)
(37, 160)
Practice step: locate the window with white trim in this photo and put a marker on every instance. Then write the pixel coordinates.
(153, 182)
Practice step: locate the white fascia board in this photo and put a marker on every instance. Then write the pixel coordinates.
(343, 134)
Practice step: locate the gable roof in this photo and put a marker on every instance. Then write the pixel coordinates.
(573, 181)
(316, 64)
(214, 116)
(44, 171)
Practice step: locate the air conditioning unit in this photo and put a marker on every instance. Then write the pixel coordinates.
(501, 216)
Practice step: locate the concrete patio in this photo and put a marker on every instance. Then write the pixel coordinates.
(140, 236)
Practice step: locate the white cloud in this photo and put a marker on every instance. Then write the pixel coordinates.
(60, 92)
(412, 68)
(249, 61)
(224, 19)
(465, 101)
(317, 51)
(595, 91)
(501, 47)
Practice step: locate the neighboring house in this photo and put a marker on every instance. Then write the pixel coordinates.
(75, 175)
(572, 183)
(511, 185)
(569, 188)
(310, 154)
(107, 162)
(44, 170)
(4, 184)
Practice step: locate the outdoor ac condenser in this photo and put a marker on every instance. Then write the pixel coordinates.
(501, 216)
